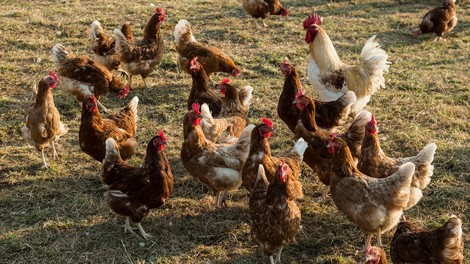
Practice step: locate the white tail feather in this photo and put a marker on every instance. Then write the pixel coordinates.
(374, 63)
(206, 113)
(59, 54)
(117, 193)
(246, 94)
(427, 153)
(181, 28)
(299, 147)
(95, 30)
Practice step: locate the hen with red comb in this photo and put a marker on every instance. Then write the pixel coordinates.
(43, 125)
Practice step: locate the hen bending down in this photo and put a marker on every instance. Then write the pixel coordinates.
(82, 77)
(331, 78)
(439, 20)
(43, 125)
(218, 167)
(375, 163)
(442, 245)
(275, 215)
(94, 130)
(211, 58)
(142, 58)
(134, 191)
(263, 8)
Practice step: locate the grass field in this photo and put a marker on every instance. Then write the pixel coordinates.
(59, 215)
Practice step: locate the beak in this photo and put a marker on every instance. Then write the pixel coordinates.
(368, 258)
(296, 101)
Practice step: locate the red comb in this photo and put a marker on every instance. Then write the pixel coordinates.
(300, 93)
(54, 75)
(224, 81)
(313, 19)
(333, 136)
(194, 60)
(372, 120)
(195, 107)
(159, 10)
(267, 122)
(161, 134)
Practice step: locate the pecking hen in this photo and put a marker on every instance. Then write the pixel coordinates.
(442, 245)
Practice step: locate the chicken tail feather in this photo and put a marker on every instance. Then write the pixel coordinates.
(245, 94)
(59, 54)
(374, 63)
(96, 30)
(112, 154)
(206, 113)
(300, 146)
(183, 32)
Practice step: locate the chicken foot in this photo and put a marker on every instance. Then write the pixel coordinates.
(142, 231)
(278, 255)
(43, 159)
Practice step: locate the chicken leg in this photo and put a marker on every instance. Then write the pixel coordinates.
(369, 237)
(278, 255)
(379, 238)
(43, 159)
(54, 152)
(127, 226)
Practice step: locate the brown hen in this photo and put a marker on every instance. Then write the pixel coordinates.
(274, 214)
(134, 191)
(94, 130)
(43, 125)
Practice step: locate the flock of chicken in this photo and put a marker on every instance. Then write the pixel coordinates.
(224, 151)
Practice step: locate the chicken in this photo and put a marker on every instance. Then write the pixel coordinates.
(439, 20)
(375, 163)
(316, 155)
(103, 46)
(376, 255)
(83, 77)
(275, 215)
(374, 205)
(134, 191)
(233, 115)
(292, 101)
(142, 58)
(263, 8)
(94, 130)
(211, 58)
(218, 167)
(201, 91)
(260, 153)
(235, 102)
(442, 245)
(331, 78)
(43, 125)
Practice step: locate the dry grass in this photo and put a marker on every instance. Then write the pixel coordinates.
(59, 215)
